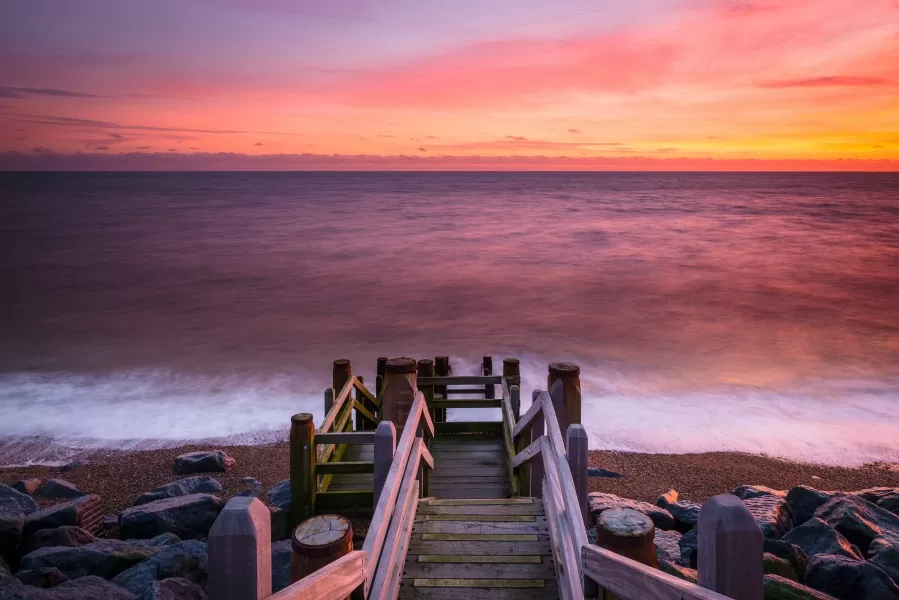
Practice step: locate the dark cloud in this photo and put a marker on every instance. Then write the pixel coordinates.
(144, 147)
(386, 135)
(42, 150)
(422, 149)
(76, 122)
(7, 91)
(574, 131)
(258, 144)
(831, 80)
(431, 137)
(516, 138)
(665, 150)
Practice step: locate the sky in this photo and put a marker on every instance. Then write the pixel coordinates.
(467, 84)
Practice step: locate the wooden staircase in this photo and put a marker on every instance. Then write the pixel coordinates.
(479, 548)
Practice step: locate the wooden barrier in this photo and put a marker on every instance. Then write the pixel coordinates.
(487, 369)
(240, 551)
(730, 547)
(384, 450)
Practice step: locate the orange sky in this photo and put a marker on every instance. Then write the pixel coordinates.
(651, 84)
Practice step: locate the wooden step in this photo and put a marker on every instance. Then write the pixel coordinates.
(485, 518)
(481, 501)
(538, 545)
(409, 592)
(480, 583)
(479, 537)
(468, 570)
(479, 527)
(521, 559)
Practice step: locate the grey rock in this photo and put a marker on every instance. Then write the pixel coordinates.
(251, 484)
(817, 537)
(46, 577)
(884, 553)
(279, 494)
(12, 501)
(591, 536)
(83, 588)
(11, 526)
(597, 472)
(669, 497)
(4, 568)
(174, 588)
(68, 536)
(189, 517)
(599, 502)
(27, 486)
(184, 559)
(875, 494)
(161, 540)
(200, 484)
(105, 558)
(745, 492)
(72, 465)
(203, 462)
(685, 513)
(679, 571)
(858, 520)
(781, 588)
(281, 553)
(849, 579)
(59, 489)
(791, 553)
(689, 557)
(890, 502)
(84, 512)
(668, 546)
(771, 513)
(804, 501)
(775, 565)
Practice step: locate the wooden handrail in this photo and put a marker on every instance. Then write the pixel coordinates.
(459, 380)
(335, 581)
(527, 420)
(345, 437)
(339, 401)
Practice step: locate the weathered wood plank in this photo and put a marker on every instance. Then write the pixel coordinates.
(336, 408)
(442, 470)
(467, 570)
(527, 420)
(438, 477)
(461, 390)
(389, 571)
(475, 548)
(362, 410)
(463, 527)
(325, 501)
(730, 560)
(507, 559)
(480, 583)
(552, 425)
(560, 557)
(335, 581)
(512, 509)
(345, 437)
(345, 467)
(364, 391)
(529, 453)
(467, 403)
(459, 427)
(490, 518)
(450, 492)
(460, 380)
(630, 579)
(479, 537)
(469, 446)
(494, 501)
(409, 592)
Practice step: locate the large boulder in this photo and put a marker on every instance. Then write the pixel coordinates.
(804, 501)
(185, 560)
(689, 542)
(13, 501)
(679, 571)
(599, 502)
(817, 537)
(209, 461)
(669, 497)
(791, 553)
(45, 577)
(11, 525)
(161, 540)
(281, 553)
(685, 513)
(67, 535)
(279, 494)
(199, 484)
(667, 546)
(874, 495)
(775, 565)
(745, 492)
(106, 558)
(4, 568)
(771, 513)
(890, 502)
(85, 512)
(83, 588)
(27, 486)
(858, 520)
(189, 517)
(849, 579)
(174, 588)
(781, 588)
(59, 489)
(884, 553)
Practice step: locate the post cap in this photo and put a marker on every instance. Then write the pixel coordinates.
(564, 369)
(403, 364)
(301, 418)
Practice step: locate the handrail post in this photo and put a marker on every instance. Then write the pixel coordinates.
(240, 551)
(487, 369)
(512, 375)
(341, 372)
(576, 441)
(379, 380)
(400, 385)
(568, 403)
(329, 400)
(442, 369)
(302, 468)
(730, 549)
(384, 449)
(426, 369)
(536, 469)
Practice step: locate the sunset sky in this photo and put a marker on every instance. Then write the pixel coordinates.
(517, 84)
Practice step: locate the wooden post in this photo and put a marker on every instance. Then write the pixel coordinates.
(568, 405)
(379, 380)
(442, 369)
(487, 369)
(730, 547)
(399, 390)
(363, 401)
(340, 374)
(515, 401)
(302, 468)
(426, 369)
(576, 442)
(629, 533)
(329, 400)
(384, 449)
(318, 542)
(240, 551)
(536, 469)
(512, 374)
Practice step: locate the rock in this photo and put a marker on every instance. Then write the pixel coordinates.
(858, 520)
(669, 497)
(817, 537)
(771, 513)
(591, 535)
(745, 492)
(775, 565)
(679, 571)
(189, 517)
(27, 486)
(884, 553)
(67, 536)
(685, 513)
(251, 484)
(874, 495)
(890, 502)
(12, 501)
(281, 553)
(804, 501)
(200, 484)
(597, 472)
(84, 588)
(174, 588)
(59, 489)
(110, 522)
(688, 555)
(72, 465)
(281, 523)
(85, 512)
(599, 502)
(45, 577)
(161, 540)
(184, 559)
(203, 462)
(4, 568)
(279, 494)
(781, 588)
(668, 546)
(106, 558)
(849, 579)
(791, 553)
(11, 525)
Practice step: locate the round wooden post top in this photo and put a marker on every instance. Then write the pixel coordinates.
(301, 418)
(342, 362)
(625, 522)
(322, 536)
(401, 365)
(426, 364)
(512, 362)
(564, 369)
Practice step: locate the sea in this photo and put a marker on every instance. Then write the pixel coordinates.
(751, 312)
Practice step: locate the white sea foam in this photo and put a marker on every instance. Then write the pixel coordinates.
(831, 422)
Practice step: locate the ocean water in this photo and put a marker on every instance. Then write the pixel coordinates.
(708, 311)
